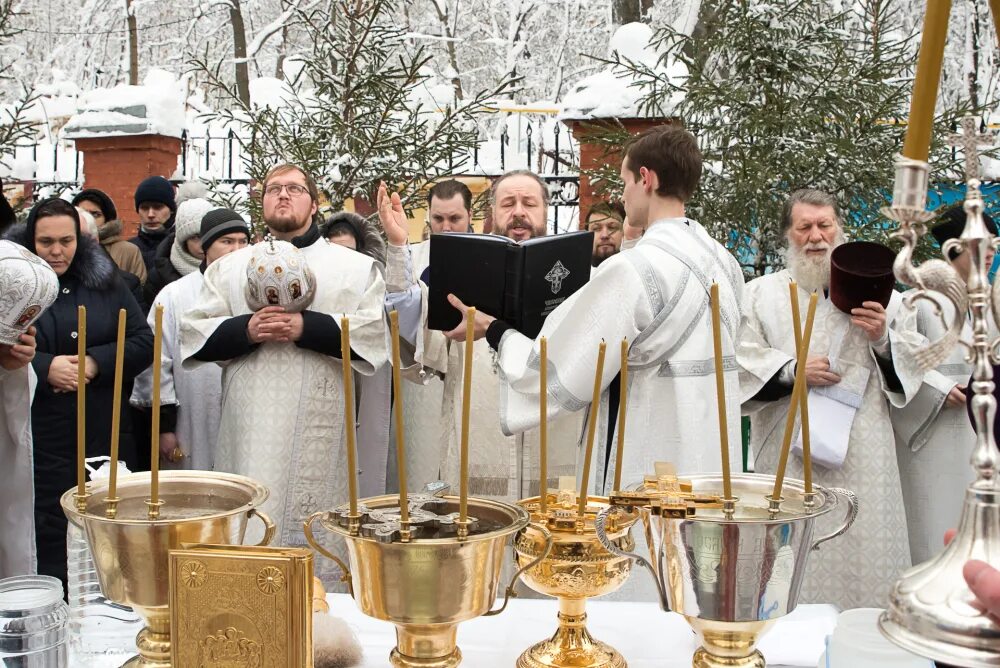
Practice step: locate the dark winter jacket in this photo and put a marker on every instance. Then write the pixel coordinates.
(162, 272)
(148, 242)
(92, 280)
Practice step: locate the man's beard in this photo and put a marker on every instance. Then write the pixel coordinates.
(812, 273)
(285, 224)
(602, 254)
(524, 224)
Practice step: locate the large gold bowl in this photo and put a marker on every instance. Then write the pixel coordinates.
(131, 552)
(428, 585)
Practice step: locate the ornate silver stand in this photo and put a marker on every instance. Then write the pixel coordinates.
(931, 610)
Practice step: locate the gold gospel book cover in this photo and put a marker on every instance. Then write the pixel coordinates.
(241, 607)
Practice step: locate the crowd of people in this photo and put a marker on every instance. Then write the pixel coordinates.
(259, 392)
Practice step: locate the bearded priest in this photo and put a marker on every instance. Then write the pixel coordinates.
(859, 363)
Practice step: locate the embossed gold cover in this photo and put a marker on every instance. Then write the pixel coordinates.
(241, 607)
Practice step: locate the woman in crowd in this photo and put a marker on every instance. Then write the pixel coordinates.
(88, 277)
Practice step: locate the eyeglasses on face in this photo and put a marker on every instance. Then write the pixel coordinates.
(294, 189)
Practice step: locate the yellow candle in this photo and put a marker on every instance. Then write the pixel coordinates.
(543, 426)
(349, 425)
(793, 289)
(397, 387)
(116, 406)
(925, 85)
(720, 392)
(81, 400)
(463, 483)
(797, 393)
(595, 404)
(154, 472)
(622, 397)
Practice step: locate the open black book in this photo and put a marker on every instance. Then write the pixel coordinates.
(519, 283)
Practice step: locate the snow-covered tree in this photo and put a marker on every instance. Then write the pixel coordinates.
(786, 95)
(363, 108)
(13, 126)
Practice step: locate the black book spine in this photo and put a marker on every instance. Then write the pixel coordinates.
(512, 286)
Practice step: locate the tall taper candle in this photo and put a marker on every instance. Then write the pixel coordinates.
(349, 422)
(81, 400)
(154, 472)
(622, 398)
(793, 289)
(925, 84)
(720, 391)
(595, 404)
(116, 413)
(397, 388)
(463, 486)
(797, 393)
(543, 426)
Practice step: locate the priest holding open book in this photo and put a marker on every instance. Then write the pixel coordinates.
(654, 295)
(501, 466)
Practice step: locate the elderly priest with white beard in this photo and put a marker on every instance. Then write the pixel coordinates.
(859, 363)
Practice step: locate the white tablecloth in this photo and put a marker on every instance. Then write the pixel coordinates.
(645, 635)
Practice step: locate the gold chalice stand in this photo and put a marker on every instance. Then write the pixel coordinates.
(577, 568)
(131, 550)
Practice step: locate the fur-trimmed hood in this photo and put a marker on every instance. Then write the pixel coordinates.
(91, 267)
(110, 232)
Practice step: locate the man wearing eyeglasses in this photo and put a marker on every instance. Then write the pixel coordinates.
(282, 417)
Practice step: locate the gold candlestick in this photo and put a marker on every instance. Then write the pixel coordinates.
(463, 503)
(622, 398)
(595, 405)
(154, 502)
(720, 392)
(111, 501)
(81, 407)
(793, 289)
(797, 394)
(352, 455)
(925, 85)
(404, 507)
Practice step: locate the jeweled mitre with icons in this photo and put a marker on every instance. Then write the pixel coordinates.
(28, 286)
(278, 275)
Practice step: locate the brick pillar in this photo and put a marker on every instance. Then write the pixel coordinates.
(593, 154)
(116, 165)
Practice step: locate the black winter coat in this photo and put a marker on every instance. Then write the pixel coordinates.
(93, 281)
(148, 243)
(162, 273)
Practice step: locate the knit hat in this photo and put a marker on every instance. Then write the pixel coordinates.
(220, 222)
(155, 189)
(101, 199)
(187, 224)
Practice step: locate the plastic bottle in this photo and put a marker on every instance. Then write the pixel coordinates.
(101, 633)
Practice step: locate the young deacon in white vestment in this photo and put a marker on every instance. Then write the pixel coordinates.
(190, 401)
(857, 364)
(501, 466)
(282, 389)
(655, 295)
(934, 436)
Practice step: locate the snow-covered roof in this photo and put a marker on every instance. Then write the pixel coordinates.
(155, 107)
(612, 93)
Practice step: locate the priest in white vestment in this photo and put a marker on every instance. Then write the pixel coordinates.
(656, 296)
(282, 388)
(449, 209)
(934, 436)
(501, 466)
(17, 498)
(858, 365)
(190, 401)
